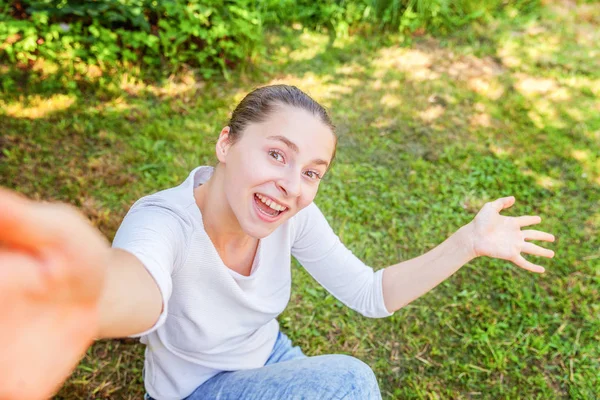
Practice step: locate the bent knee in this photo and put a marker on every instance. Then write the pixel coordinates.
(354, 378)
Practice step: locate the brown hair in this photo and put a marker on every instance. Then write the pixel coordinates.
(258, 105)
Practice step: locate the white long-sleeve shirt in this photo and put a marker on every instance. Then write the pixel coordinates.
(213, 318)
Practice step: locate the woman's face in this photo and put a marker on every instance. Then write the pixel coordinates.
(274, 169)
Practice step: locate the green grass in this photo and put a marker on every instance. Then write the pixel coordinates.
(428, 133)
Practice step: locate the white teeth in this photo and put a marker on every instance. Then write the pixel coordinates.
(270, 203)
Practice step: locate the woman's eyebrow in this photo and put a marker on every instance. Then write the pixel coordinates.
(294, 147)
(285, 140)
(321, 162)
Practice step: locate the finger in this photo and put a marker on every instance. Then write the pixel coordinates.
(20, 221)
(536, 250)
(48, 277)
(502, 203)
(523, 263)
(18, 272)
(46, 231)
(527, 220)
(531, 234)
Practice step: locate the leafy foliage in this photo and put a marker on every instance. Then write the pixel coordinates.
(211, 36)
(168, 34)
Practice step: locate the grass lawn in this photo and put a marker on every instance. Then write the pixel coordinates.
(428, 133)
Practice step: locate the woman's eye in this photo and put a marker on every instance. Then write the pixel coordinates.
(276, 155)
(313, 175)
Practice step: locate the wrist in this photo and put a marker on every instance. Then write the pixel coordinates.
(465, 238)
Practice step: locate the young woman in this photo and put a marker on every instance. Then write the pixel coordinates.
(201, 271)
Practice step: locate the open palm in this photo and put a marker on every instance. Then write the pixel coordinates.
(501, 237)
(51, 276)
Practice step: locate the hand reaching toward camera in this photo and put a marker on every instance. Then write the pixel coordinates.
(498, 236)
(51, 276)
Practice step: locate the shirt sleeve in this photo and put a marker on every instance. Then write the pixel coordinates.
(340, 272)
(155, 235)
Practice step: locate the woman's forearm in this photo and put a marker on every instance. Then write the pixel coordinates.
(409, 280)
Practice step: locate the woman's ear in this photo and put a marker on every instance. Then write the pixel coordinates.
(223, 144)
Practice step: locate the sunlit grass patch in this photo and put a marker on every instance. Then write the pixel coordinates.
(37, 106)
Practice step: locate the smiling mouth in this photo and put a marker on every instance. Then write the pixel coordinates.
(268, 207)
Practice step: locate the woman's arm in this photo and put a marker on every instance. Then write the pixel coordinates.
(335, 267)
(489, 234)
(131, 301)
(61, 285)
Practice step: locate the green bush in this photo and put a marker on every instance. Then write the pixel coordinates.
(208, 35)
(211, 36)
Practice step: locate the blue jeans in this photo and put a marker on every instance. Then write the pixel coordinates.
(289, 374)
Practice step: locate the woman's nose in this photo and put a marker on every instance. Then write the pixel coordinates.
(290, 185)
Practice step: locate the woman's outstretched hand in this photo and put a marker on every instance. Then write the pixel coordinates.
(498, 236)
(52, 267)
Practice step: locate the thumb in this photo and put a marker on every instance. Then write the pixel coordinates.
(502, 203)
(20, 221)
